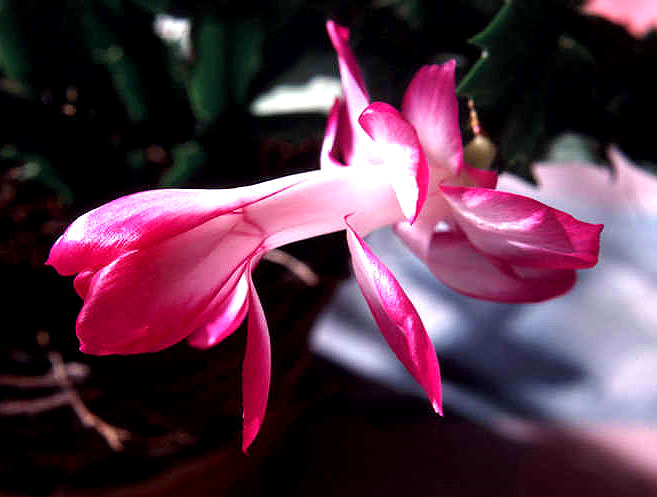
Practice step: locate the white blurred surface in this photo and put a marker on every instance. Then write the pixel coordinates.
(589, 355)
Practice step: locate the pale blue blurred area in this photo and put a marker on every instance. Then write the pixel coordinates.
(590, 355)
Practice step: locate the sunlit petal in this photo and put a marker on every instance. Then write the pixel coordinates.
(398, 320)
(459, 265)
(521, 230)
(401, 155)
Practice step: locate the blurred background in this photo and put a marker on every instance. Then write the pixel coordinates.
(100, 98)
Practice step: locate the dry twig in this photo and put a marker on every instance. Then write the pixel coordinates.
(113, 436)
(61, 375)
(299, 268)
(75, 371)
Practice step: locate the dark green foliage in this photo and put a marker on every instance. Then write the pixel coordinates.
(227, 55)
(91, 88)
(546, 68)
(14, 61)
(515, 49)
(105, 49)
(188, 159)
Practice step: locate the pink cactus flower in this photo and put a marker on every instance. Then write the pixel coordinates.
(637, 16)
(481, 242)
(161, 266)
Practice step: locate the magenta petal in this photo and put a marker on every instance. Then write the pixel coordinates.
(330, 155)
(521, 230)
(256, 372)
(430, 106)
(398, 148)
(352, 141)
(103, 234)
(353, 83)
(455, 262)
(226, 316)
(146, 218)
(398, 320)
(147, 300)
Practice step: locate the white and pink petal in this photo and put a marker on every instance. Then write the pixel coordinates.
(396, 317)
(430, 105)
(353, 83)
(523, 231)
(458, 264)
(399, 152)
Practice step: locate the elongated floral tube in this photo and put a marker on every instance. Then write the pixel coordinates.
(191, 247)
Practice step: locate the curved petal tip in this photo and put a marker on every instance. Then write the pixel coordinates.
(256, 372)
(398, 320)
(338, 34)
(398, 148)
(430, 105)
